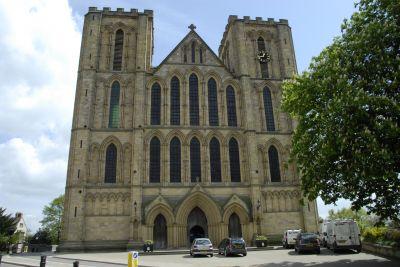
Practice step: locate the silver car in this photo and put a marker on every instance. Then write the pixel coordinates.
(201, 246)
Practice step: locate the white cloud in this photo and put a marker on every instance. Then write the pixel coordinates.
(40, 51)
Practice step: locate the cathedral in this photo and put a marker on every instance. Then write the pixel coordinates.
(197, 146)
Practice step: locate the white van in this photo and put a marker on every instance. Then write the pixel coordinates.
(323, 233)
(343, 234)
(289, 236)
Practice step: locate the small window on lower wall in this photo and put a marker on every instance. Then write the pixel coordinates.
(75, 211)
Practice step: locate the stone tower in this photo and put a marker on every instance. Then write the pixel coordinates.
(197, 146)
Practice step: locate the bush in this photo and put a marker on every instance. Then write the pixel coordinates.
(383, 236)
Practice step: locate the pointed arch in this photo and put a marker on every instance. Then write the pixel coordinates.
(175, 160)
(215, 160)
(175, 101)
(155, 160)
(194, 133)
(234, 160)
(114, 112)
(173, 134)
(204, 202)
(118, 49)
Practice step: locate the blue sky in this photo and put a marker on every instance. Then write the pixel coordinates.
(40, 50)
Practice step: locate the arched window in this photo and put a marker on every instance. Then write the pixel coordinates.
(231, 106)
(111, 164)
(212, 103)
(201, 55)
(215, 160)
(234, 160)
(268, 110)
(193, 100)
(118, 47)
(195, 160)
(155, 160)
(193, 52)
(263, 65)
(274, 169)
(175, 160)
(175, 102)
(113, 117)
(155, 116)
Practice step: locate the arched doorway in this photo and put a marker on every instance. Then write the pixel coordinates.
(234, 226)
(196, 225)
(160, 232)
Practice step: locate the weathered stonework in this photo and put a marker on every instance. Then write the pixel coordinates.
(117, 215)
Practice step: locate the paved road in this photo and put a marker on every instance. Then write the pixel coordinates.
(266, 258)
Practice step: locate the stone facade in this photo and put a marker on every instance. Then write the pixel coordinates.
(132, 208)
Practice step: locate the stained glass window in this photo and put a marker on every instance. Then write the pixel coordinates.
(155, 116)
(118, 47)
(175, 102)
(274, 164)
(155, 160)
(212, 103)
(215, 160)
(193, 100)
(175, 160)
(268, 110)
(111, 164)
(113, 118)
(234, 160)
(195, 160)
(231, 106)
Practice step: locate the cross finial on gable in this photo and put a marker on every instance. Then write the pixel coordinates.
(192, 27)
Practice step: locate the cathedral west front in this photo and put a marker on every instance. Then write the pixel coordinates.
(197, 146)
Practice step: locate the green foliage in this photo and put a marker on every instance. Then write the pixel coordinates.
(383, 236)
(7, 228)
(347, 143)
(52, 218)
(363, 219)
(42, 236)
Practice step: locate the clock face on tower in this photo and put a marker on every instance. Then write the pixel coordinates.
(263, 56)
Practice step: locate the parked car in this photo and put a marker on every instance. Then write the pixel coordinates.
(307, 242)
(201, 246)
(232, 246)
(343, 234)
(289, 237)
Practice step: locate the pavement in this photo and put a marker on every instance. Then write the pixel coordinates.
(257, 258)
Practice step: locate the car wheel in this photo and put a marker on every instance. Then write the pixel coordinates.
(286, 245)
(359, 249)
(212, 255)
(318, 251)
(244, 254)
(191, 254)
(295, 249)
(334, 248)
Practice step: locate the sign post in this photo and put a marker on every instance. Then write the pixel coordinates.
(133, 259)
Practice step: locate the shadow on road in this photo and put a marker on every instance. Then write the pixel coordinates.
(339, 263)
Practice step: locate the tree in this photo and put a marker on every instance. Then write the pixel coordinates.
(7, 228)
(52, 218)
(363, 219)
(347, 143)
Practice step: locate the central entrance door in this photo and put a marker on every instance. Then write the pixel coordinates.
(196, 225)
(160, 232)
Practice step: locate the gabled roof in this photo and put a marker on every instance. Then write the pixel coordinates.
(192, 33)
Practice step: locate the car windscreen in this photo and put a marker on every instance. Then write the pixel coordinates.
(203, 242)
(293, 233)
(237, 241)
(309, 237)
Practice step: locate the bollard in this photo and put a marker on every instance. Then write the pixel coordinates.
(42, 261)
(76, 263)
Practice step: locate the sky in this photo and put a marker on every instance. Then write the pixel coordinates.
(40, 44)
